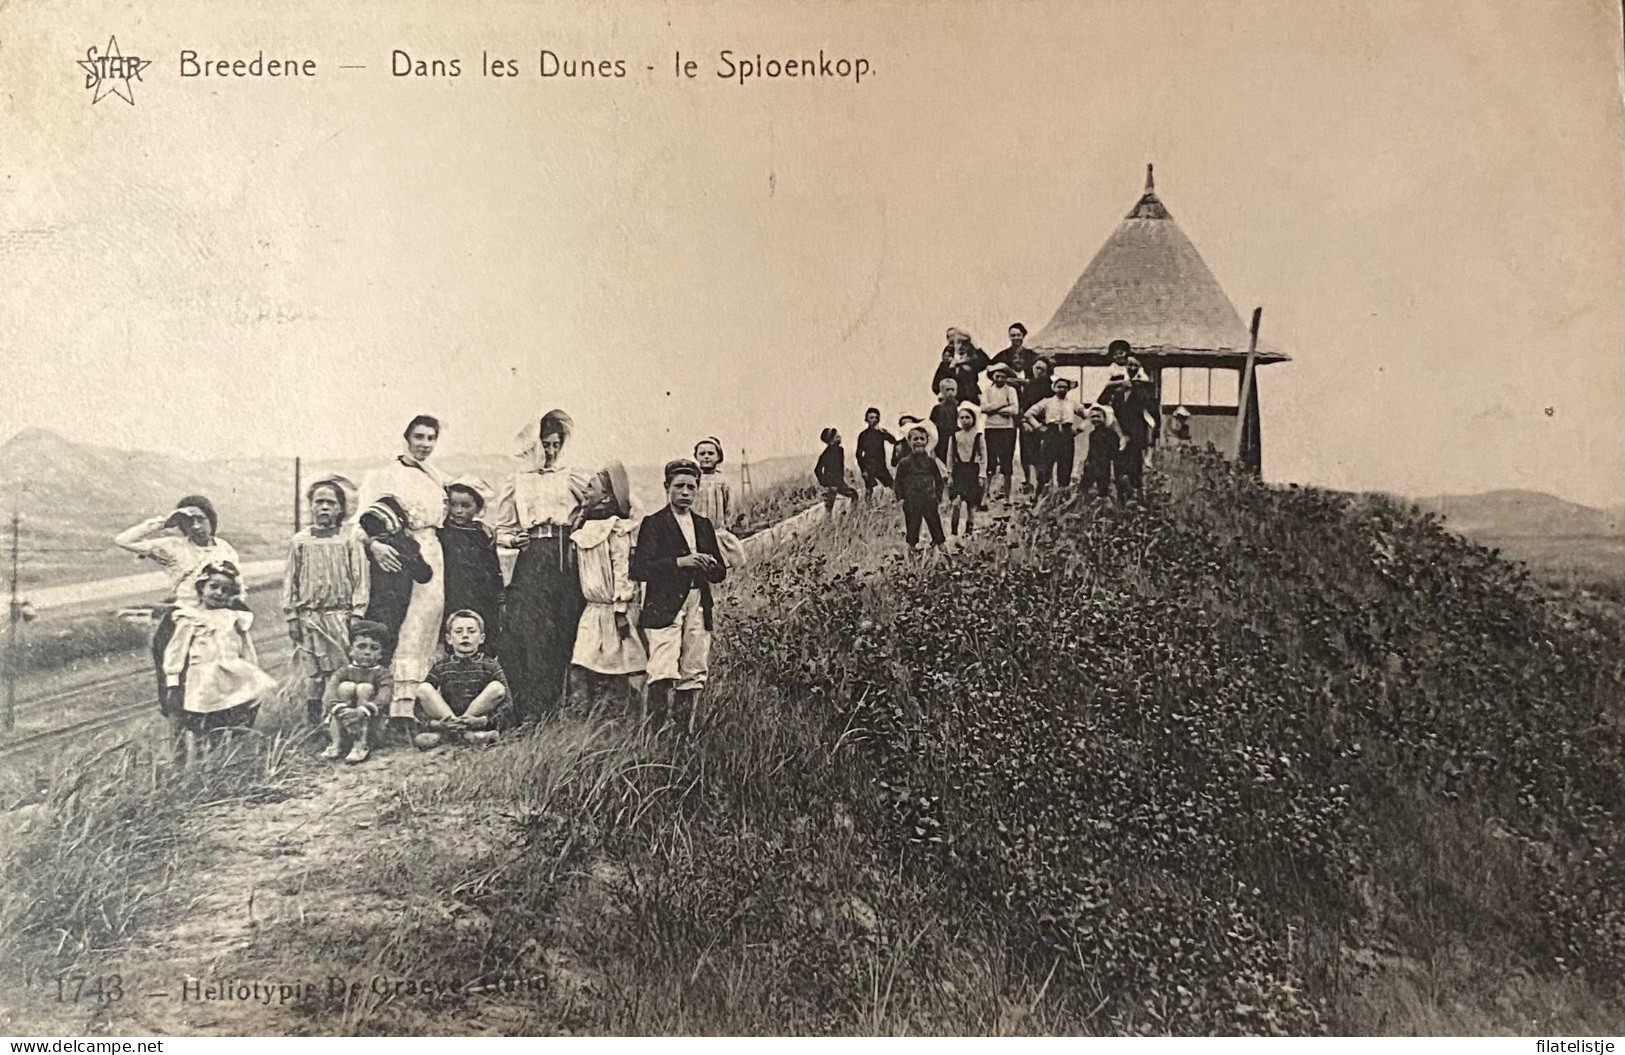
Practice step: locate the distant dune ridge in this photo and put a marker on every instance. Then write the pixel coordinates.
(1519, 514)
(74, 497)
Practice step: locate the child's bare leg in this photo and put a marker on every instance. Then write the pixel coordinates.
(434, 705)
(486, 703)
(363, 737)
(344, 697)
(335, 734)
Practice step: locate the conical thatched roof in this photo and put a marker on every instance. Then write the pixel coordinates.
(1149, 286)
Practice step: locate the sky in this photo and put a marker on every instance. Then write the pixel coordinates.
(1425, 197)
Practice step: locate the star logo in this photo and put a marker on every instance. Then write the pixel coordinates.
(111, 72)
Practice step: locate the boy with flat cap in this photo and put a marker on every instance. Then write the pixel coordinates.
(677, 557)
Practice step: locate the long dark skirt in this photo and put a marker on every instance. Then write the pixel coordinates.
(543, 608)
(163, 630)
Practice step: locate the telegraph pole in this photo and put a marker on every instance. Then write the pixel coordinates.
(13, 630)
(744, 479)
(296, 496)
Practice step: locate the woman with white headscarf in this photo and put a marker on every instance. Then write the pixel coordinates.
(536, 514)
(420, 492)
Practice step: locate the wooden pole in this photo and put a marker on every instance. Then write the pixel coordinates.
(1246, 385)
(12, 630)
(296, 496)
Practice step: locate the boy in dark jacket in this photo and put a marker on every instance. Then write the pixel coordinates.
(920, 481)
(830, 472)
(473, 573)
(1105, 443)
(944, 417)
(872, 443)
(390, 592)
(676, 555)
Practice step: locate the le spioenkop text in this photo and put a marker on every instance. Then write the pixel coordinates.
(546, 64)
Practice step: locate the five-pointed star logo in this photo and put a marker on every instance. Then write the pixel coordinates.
(110, 73)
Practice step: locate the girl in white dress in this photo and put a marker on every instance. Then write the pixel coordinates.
(609, 656)
(212, 677)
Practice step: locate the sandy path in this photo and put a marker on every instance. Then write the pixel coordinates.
(271, 870)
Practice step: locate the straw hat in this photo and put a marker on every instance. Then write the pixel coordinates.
(926, 427)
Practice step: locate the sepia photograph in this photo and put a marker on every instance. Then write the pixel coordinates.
(929, 518)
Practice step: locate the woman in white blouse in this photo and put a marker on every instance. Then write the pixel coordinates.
(421, 491)
(535, 515)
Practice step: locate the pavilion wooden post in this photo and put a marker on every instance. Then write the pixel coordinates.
(1246, 385)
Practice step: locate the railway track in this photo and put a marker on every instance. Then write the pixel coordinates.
(272, 655)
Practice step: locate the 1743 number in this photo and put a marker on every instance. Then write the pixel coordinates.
(75, 988)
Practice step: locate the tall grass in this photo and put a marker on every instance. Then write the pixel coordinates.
(101, 839)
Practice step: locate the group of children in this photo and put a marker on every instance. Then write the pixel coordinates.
(645, 625)
(965, 450)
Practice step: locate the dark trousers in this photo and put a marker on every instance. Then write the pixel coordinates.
(1097, 476)
(831, 491)
(1130, 470)
(1001, 451)
(1032, 449)
(162, 631)
(875, 475)
(1055, 459)
(914, 513)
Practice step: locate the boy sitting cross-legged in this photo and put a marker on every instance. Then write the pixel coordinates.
(466, 695)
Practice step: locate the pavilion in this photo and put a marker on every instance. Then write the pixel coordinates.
(1149, 286)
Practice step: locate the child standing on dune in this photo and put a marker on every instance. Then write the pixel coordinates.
(713, 499)
(830, 471)
(872, 462)
(966, 453)
(919, 486)
(324, 587)
(609, 659)
(212, 677)
(473, 572)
